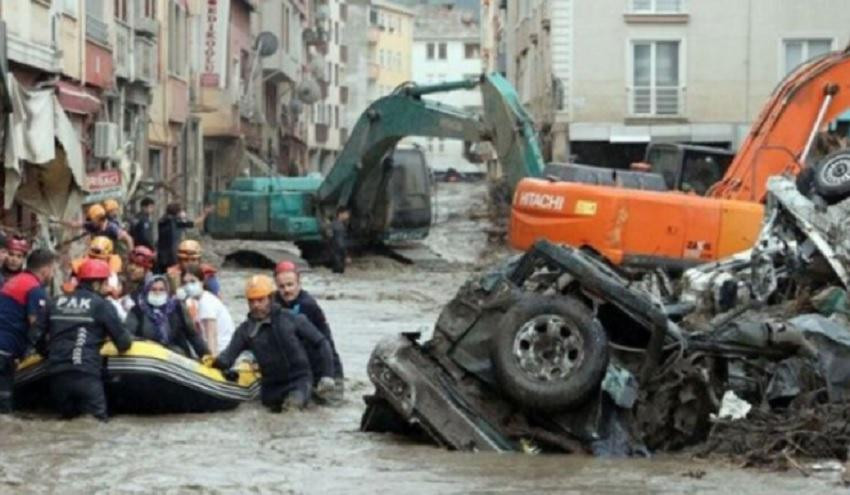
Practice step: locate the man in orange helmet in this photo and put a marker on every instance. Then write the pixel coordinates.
(75, 329)
(98, 224)
(100, 248)
(279, 341)
(189, 252)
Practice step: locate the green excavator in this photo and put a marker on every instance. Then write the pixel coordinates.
(386, 190)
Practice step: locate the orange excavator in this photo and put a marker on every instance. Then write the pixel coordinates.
(634, 227)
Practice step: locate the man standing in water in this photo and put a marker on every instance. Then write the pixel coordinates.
(76, 327)
(290, 295)
(23, 303)
(278, 339)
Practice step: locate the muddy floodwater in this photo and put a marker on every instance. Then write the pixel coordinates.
(321, 450)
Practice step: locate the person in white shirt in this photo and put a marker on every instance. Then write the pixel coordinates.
(212, 319)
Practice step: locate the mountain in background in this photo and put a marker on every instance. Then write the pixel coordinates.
(473, 6)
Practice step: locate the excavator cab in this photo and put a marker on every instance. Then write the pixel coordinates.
(409, 196)
(688, 168)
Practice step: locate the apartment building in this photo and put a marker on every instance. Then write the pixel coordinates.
(390, 37)
(327, 130)
(447, 47)
(603, 79)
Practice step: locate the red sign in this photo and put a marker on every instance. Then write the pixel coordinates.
(99, 181)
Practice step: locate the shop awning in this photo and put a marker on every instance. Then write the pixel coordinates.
(77, 99)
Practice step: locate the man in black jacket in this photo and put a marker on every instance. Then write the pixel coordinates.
(292, 296)
(76, 327)
(170, 229)
(278, 339)
(142, 228)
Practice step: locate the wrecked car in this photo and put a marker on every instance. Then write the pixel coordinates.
(556, 350)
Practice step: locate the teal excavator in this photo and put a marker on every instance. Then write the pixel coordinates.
(386, 190)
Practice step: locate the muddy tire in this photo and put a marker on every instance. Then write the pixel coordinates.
(549, 353)
(832, 176)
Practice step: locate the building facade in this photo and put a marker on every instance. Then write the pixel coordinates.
(390, 39)
(602, 79)
(447, 47)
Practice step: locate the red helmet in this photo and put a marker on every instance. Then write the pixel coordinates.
(142, 256)
(93, 269)
(285, 266)
(18, 244)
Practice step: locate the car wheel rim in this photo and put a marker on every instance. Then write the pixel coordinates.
(548, 348)
(836, 172)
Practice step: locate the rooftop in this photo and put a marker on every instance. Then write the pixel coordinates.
(445, 22)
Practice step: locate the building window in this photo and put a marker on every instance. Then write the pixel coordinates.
(429, 51)
(658, 6)
(336, 116)
(442, 49)
(336, 74)
(336, 33)
(121, 10)
(177, 42)
(271, 103)
(656, 86)
(284, 32)
(440, 145)
(150, 8)
(343, 12)
(373, 17)
(472, 50)
(69, 7)
(798, 51)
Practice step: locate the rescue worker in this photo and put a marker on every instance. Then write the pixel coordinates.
(113, 211)
(140, 262)
(162, 318)
(23, 304)
(170, 229)
(278, 338)
(338, 243)
(17, 250)
(189, 252)
(100, 248)
(98, 224)
(76, 328)
(142, 228)
(292, 296)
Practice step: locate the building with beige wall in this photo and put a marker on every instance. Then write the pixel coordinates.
(603, 79)
(390, 37)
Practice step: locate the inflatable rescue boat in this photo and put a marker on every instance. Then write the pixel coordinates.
(148, 379)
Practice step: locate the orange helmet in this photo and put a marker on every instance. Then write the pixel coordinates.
(111, 206)
(259, 286)
(96, 213)
(189, 250)
(100, 248)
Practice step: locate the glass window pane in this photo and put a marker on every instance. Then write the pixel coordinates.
(667, 63)
(668, 5)
(819, 47)
(642, 70)
(641, 5)
(793, 55)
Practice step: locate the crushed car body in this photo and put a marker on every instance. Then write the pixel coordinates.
(556, 350)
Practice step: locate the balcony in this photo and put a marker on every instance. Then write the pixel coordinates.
(656, 101)
(97, 30)
(373, 35)
(322, 133)
(146, 26)
(374, 71)
(145, 61)
(122, 51)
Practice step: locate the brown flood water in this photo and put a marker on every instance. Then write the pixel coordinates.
(321, 450)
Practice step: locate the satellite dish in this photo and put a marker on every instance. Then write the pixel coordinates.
(309, 91)
(266, 44)
(318, 67)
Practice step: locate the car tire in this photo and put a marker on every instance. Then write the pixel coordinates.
(549, 353)
(832, 176)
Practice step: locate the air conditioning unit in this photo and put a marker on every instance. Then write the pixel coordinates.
(105, 140)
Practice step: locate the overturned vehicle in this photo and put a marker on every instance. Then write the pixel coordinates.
(555, 350)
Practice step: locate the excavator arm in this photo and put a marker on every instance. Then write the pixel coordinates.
(359, 177)
(781, 139)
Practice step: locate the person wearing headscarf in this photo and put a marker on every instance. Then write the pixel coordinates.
(162, 318)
